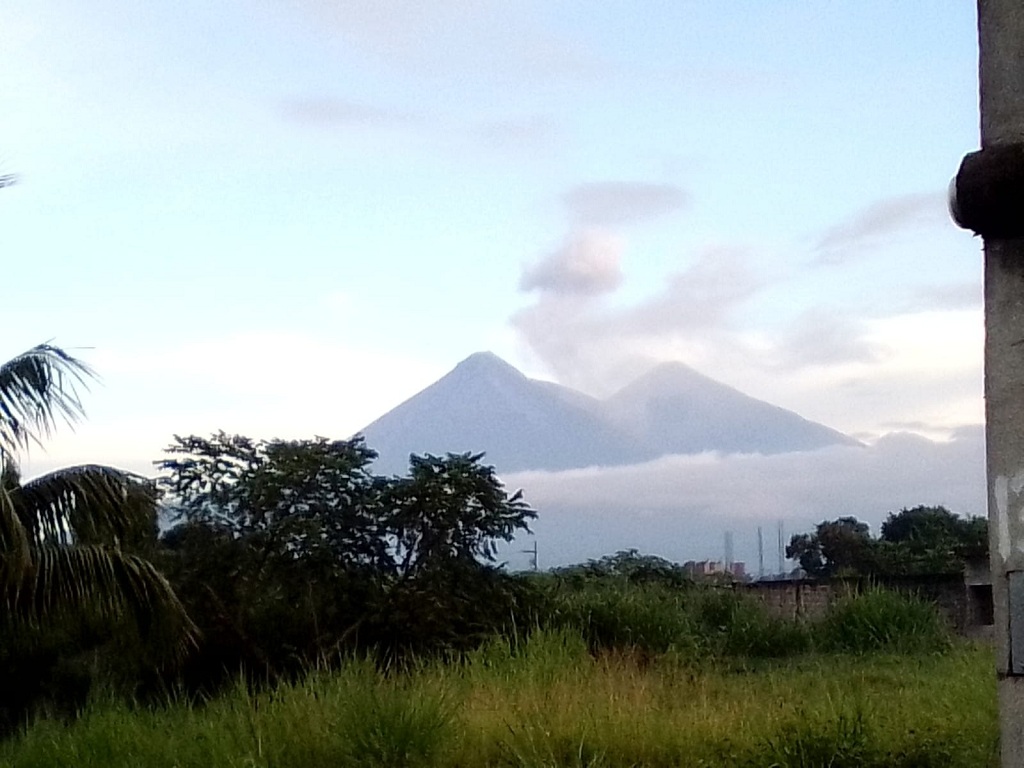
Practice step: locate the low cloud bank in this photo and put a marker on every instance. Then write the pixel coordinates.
(680, 507)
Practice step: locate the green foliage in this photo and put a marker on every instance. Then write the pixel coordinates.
(72, 572)
(912, 541)
(628, 566)
(931, 539)
(882, 620)
(547, 702)
(692, 623)
(448, 510)
(293, 551)
(807, 742)
(392, 723)
(837, 547)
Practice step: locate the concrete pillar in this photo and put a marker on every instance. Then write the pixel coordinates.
(1001, 43)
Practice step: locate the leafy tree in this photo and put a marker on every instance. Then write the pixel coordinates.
(805, 548)
(280, 546)
(451, 509)
(294, 548)
(628, 565)
(918, 540)
(931, 539)
(837, 547)
(286, 499)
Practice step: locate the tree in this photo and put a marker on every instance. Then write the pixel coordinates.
(918, 540)
(806, 550)
(451, 509)
(66, 538)
(932, 539)
(290, 499)
(630, 566)
(837, 547)
(293, 548)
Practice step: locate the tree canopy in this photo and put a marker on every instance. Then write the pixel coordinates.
(399, 562)
(921, 539)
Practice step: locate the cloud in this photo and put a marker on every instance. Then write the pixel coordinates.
(822, 337)
(474, 37)
(952, 296)
(338, 112)
(703, 296)
(680, 506)
(586, 265)
(878, 222)
(590, 343)
(611, 203)
(526, 134)
(263, 384)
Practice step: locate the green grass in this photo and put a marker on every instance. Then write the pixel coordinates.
(548, 701)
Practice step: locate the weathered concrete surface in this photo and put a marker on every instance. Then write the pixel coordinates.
(1001, 43)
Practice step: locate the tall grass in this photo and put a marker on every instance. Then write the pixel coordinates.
(609, 675)
(881, 620)
(695, 624)
(547, 701)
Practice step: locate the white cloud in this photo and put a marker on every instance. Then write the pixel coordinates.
(586, 265)
(611, 203)
(881, 221)
(474, 36)
(681, 505)
(594, 345)
(261, 384)
(341, 113)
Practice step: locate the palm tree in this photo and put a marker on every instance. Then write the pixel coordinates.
(67, 538)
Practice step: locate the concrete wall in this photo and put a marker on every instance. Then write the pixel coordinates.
(810, 599)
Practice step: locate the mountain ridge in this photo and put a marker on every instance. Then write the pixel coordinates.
(486, 405)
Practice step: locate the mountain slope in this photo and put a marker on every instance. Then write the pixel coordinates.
(675, 409)
(486, 405)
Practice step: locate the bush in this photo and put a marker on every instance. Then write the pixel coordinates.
(736, 625)
(882, 620)
(624, 617)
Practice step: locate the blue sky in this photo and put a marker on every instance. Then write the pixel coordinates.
(284, 217)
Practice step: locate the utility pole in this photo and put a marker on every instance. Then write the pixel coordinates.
(534, 559)
(760, 554)
(987, 196)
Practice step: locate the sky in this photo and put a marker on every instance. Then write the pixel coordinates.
(282, 218)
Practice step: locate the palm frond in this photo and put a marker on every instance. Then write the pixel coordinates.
(7, 180)
(104, 584)
(89, 504)
(15, 550)
(37, 389)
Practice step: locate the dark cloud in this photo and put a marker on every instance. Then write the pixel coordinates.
(680, 506)
(610, 203)
(587, 265)
(874, 224)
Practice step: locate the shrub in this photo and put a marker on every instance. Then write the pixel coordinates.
(882, 620)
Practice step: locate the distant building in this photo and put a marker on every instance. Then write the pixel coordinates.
(705, 569)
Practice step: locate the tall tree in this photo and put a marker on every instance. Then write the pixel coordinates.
(837, 547)
(68, 539)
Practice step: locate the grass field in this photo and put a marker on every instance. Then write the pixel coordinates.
(549, 702)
